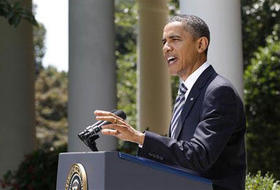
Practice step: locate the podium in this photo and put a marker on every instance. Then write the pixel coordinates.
(115, 170)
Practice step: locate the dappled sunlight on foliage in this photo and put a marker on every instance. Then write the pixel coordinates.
(259, 17)
(125, 24)
(262, 97)
(39, 33)
(260, 182)
(51, 107)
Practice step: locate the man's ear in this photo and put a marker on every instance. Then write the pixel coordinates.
(202, 44)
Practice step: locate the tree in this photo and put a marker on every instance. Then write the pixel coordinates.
(173, 7)
(51, 107)
(262, 98)
(125, 24)
(15, 11)
(261, 24)
(39, 33)
(259, 18)
(50, 96)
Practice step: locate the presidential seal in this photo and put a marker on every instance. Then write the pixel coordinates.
(77, 178)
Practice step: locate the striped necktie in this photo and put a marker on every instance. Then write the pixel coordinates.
(178, 107)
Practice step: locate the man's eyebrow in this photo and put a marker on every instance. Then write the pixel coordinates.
(173, 36)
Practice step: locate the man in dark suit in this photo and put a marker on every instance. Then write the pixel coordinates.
(208, 123)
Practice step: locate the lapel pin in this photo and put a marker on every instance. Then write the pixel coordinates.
(191, 99)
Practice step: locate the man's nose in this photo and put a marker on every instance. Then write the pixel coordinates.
(166, 48)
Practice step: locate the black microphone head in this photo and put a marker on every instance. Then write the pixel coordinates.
(90, 134)
(120, 113)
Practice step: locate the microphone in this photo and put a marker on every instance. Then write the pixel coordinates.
(90, 134)
(96, 127)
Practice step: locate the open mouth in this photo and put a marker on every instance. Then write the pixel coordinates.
(171, 60)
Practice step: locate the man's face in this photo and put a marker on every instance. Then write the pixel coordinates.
(179, 49)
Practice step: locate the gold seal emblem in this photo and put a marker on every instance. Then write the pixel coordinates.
(77, 178)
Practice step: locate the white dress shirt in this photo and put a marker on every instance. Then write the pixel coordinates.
(189, 82)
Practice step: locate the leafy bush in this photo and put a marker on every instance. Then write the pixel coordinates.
(37, 171)
(262, 100)
(259, 182)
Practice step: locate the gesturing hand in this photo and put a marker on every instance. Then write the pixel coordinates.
(119, 128)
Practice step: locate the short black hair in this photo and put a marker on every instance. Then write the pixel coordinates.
(194, 25)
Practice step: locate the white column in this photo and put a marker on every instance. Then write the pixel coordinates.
(154, 90)
(224, 21)
(92, 78)
(16, 94)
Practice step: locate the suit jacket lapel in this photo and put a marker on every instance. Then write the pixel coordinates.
(192, 97)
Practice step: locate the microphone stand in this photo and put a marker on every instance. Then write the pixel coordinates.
(89, 139)
(90, 134)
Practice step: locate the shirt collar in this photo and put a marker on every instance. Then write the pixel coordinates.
(189, 82)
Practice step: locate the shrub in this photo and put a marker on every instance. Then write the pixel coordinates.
(262, 99)
(37, 171)
(259, 182)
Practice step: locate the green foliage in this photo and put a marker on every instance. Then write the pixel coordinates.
(173, 7)
(14, 11)
(39, 33)
(51, 107)
(262, 97)
(259, 18)
(127, 86)
(125, 23)
(260, 29)
(37, 171)
(259, 182)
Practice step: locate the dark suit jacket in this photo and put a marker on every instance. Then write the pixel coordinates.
(209, 135)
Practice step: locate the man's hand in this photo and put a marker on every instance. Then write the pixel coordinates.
(119, 128)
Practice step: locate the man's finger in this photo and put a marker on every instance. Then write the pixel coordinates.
(101, 113)
(107, 118)
(117, 127)
(113, 119)
(106, 113)
(111, 132)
